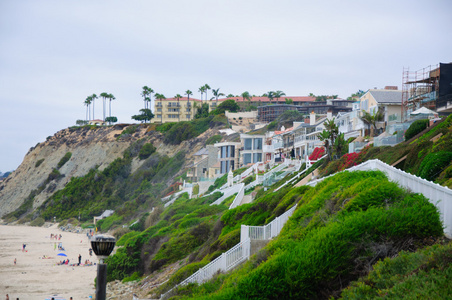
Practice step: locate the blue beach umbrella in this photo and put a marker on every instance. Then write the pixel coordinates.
(61, 254)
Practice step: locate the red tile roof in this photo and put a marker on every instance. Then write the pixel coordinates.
(253, 99)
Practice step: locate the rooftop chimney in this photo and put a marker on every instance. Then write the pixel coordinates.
(329, 114)
(312, 118)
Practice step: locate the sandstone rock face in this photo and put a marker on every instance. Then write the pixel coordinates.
(90, 148)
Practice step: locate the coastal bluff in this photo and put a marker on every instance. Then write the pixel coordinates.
(41, 173)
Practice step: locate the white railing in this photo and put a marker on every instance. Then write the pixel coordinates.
(268, 231)
(238, 199)
(240, 252)
(438, 195)
(291, 180)
(248, 171)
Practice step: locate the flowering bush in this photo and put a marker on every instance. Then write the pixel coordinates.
(318, 152)
(348, 160)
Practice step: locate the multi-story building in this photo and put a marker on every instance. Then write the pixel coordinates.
(203, 165)
(253, 149)
(228, 156)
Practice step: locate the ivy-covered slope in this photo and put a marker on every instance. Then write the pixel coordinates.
(339, 229)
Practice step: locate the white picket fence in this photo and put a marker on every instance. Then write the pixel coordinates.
(438, 195)
(240, 252)
(268, 231)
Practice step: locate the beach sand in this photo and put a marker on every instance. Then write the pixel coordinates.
(35, 278)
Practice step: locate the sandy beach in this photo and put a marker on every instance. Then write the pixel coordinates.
(36, 278)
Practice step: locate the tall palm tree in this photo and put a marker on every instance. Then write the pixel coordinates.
(217, 94)
(279, 94)
(149, 99)
(206, 89)
(93, 98)
(104, 97)
(202, 89)
(88, 103)
(110, 97)
(145, 94)
(178, 109)
(188, 93)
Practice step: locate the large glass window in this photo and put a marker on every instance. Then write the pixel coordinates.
(257, 157)
(248, 144)
(246, 158)
(257, 144)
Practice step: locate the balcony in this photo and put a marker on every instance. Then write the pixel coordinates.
(267, 148)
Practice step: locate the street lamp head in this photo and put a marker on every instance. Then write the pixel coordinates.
(103, 245)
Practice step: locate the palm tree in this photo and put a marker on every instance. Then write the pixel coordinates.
(217, 94)
(188, 93)
(270, 96)
(93, 97)
(246, 95)
(145, 94)
(279, 94)
(88, 103)
(110, 97)
(178, 109)
(202, 89)
(206, 88)
(104, 97)
(372, 120)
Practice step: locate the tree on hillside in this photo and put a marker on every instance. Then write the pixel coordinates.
(93, 98)
(87, 102)
(289, 101)
(145, 115)
(110, 98)
(202, 89)
(279, 94)
(246, 95)
(227, 105)
(188, 93)
(270, 95)
(216, 93)
(329, 136)
(206, 89)
(104, 96)
(147, 96)
(111, 119)
(372, 119)
(202, 111)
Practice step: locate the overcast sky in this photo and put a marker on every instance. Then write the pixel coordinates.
(53, 54)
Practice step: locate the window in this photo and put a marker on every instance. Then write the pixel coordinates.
(159, 116)
(226, 165)
(248, 144)
(258, 144)
(246, 158)
(204, 170)
(223, 152)
(257, 157)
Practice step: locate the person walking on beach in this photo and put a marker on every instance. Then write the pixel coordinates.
(7, 297)
(79, 259)
(15, 260)
(23, 247)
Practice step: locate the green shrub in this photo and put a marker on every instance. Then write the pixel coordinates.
(39, 162)
(195, 189)
(146, 151)
(433, 164)
(64, 159)
(415, 128)
(135, 277)
(38, 222)
(248, 180)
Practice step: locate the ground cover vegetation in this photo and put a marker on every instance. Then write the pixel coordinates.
(339, 229)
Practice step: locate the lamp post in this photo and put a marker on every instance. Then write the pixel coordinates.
(102, 246)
